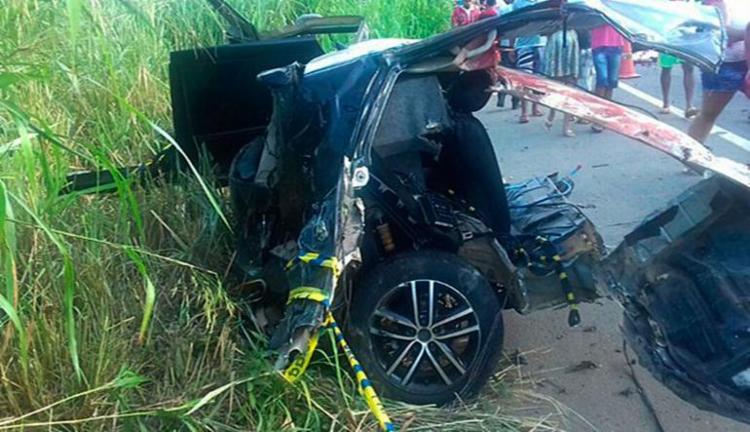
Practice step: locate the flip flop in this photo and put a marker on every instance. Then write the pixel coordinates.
(523, 119)
(691, 112)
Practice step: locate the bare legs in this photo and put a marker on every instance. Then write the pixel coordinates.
(688, 82)
(567, 118)
(604, 92)
(567, 123)
(535, 111)
(666, 84)
(713, 104)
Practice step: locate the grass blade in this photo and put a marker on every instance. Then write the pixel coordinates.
(69, 285)
(74, 19)
(9, 301)
(150, 300)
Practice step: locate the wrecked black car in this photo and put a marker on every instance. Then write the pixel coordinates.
(363, 185)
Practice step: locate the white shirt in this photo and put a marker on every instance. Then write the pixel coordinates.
(737, 19)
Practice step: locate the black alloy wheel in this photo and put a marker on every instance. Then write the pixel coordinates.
(427, 327)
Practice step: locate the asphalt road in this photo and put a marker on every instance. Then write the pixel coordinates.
(621, 182)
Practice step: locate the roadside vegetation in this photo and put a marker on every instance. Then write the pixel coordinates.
(114, 314)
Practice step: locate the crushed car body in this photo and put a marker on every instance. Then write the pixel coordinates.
(365, 189)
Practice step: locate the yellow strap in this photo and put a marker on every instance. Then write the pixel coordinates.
(297, 368)
(332, 263)
(308, 293)
(364, 386)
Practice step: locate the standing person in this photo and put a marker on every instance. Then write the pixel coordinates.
(720, 87)
(475, 10)
(586, 61)
(490, 10)
(508, 56)
(461, 14)
(529, 52)
(666, 63)
(561, 62)
(606, 48)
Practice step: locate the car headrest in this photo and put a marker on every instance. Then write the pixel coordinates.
(469, 92)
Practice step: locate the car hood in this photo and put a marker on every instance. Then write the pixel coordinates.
(623, 120)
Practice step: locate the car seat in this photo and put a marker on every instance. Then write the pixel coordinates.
(470, 155)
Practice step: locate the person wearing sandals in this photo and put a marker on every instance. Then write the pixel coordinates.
(508, 56)
(529, 55)
(561, 62)
(720, 87)
(666, 63)
(606, 47)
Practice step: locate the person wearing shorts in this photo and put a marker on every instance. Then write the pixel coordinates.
(666, 63)
(718, 90)
(720, 87)
(606, 48)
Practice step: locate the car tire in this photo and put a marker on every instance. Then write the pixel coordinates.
(454, 347)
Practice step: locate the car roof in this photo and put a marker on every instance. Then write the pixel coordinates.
(692, 32)
(355, 52)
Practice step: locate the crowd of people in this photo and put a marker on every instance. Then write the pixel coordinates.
(592, 60)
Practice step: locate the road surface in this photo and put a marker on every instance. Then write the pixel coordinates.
(621, 182)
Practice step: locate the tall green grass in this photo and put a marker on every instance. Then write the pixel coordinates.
(114, 314)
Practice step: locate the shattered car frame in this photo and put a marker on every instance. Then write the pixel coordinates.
(363, 185)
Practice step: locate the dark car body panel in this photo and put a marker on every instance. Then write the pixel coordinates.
(217, 102)
(683, 277)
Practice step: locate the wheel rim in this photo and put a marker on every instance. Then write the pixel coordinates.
(425, 335)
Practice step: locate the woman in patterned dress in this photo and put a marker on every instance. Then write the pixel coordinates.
(561, 62)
